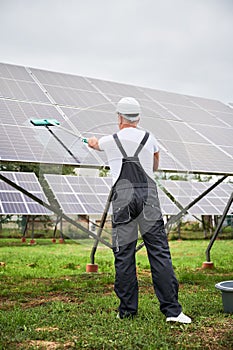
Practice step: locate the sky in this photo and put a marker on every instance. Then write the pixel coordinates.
(183, 46)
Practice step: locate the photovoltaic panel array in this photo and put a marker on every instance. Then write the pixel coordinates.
(213, 203)
(88, 195)
(194, 134)
(15, 202)
(80, 195)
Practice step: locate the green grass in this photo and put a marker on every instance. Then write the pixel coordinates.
(48, 301)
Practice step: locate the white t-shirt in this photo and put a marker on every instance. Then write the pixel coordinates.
(130, 139)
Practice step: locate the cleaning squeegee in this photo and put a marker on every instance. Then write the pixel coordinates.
(54, 122)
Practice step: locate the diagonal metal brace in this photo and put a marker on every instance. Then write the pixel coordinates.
(218, 227)
(178, 216)
(54, 209)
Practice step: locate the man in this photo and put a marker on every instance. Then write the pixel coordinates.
(133, 156)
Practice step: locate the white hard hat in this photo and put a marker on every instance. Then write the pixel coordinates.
(129, 107)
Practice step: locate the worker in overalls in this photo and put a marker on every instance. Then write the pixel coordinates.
(133, 156)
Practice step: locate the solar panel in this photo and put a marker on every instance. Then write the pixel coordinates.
(78, 194)
(185, 126)
(78, 98)
(21, 142)
(185, 192)
(194, 115)
(209, 104)
(226, 118)
(200, 157)
(155, 110)
(11, 71)
(90, 122)
(21, 90)
(118, 89)
(15, 202)
(167, 97)
(88, 195)
(167, 206)
(62, 79)
(221, 136)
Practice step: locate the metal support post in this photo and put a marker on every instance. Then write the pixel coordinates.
(218, 228)
(25, 229)
(101, 226)
(32, 241)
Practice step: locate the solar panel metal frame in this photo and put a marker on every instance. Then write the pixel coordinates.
(13, 202)
(155, 103)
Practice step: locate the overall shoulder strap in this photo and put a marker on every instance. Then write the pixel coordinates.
(142, 143)
(119, 145)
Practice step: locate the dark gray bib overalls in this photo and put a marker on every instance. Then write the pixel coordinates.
(136, 205)
(135, 195)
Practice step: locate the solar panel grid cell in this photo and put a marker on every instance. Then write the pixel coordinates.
(154, 110)
(14, 208)
(226, 118)
(213, 203)
(13, 201)
(66, 197)
(14, 72)
(30, 186)
(220, 136)
(194, 115)
(11, 197)
(118, 89)
(35, 208)
(167, 206)
(84, 197)
(72, 209)
(210, 105)
(61, 188)
(200, 157)
(4, 186)
(62, 79)
(77, 98)
(21, 90)
(92, 120)
(38, 195)
(93, 208)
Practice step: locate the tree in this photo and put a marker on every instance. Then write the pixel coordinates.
(4, 219)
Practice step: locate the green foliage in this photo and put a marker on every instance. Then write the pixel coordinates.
(227, 229)
(38, 169)
(104, 172)
(74, 233)
(171, 176)
(4, 219)
(202, 178)
(191, 226)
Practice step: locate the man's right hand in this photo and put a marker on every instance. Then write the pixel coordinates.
(93, 143)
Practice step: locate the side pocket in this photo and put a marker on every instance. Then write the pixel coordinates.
(121, 215)
(151, 212)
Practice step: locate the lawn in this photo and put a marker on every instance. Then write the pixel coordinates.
(48, 301)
